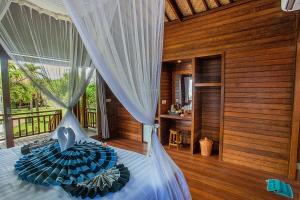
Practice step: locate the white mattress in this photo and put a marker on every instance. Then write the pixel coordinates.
(12, 188)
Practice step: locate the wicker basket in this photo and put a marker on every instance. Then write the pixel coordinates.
(206, 146)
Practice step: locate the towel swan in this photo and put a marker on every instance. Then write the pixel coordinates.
(65, 142)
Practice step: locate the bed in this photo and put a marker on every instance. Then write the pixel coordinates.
(12, 188)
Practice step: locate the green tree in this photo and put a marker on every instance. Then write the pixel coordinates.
(20, 88)
(91, 95)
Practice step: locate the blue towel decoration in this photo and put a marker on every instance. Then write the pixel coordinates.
(81, 162)
(279, 187)
(111, 180)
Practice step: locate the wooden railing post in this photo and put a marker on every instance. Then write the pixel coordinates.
(8, 124)
(84, 110)
(98, 112)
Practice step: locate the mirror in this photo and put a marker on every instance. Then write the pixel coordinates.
(183, 90)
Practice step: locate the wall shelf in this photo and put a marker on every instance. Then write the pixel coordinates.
(207, 84)
(208, 101)
(168, 116)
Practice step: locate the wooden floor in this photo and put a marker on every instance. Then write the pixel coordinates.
(210, 179)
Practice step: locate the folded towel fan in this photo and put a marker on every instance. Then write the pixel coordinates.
(279, 187)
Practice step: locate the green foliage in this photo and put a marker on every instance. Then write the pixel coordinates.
(91, 95)
(21, 89)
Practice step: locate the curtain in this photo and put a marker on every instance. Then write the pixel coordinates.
(101, 98)
(50, 52)
(4, 5)
(124, 40)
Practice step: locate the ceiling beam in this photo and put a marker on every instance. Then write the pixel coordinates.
(168, 18)
(176, 9)
(224, 7)
(191, 6)
(205, 5)
(217, 2)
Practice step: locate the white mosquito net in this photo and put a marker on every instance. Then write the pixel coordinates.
(124, 38)
(101, 98)
(50, 52)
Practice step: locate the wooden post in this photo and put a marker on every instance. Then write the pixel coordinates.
(98, 117)
(295, 120)
(296, 112)
(76, 110)
(8, 124)
(84, 110)
(222, 107)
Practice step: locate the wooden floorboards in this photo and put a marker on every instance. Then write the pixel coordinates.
(211, 179)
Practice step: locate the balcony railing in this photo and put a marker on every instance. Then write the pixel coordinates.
(33, 123)
(91, 117)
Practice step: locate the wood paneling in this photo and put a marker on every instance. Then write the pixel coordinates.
(121, 123)
(210, 102)
(111, 112)
(128, 127)
(165, 89)
(208, 70)
(259, 44)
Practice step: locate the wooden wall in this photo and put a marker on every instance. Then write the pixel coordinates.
(111, 112)
(258, 40)
(208, 69)
(210, 99)
(165, 89)
(121, 123)
(128, 127)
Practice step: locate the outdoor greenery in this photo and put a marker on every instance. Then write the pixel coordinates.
(91, 95)
(22, 91)
(26, 98)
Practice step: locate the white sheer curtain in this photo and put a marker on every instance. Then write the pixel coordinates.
(101, 98)
(4, 5)
(50, 52)
(124, 40)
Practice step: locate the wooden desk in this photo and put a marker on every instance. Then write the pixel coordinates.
(168, 122)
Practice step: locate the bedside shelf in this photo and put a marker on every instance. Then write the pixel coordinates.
(207, 84)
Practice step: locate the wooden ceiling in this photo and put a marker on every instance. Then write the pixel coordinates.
(179, 10)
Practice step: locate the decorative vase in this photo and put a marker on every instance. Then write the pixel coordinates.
(206, 146)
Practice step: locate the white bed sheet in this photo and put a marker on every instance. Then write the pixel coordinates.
(12, 188)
